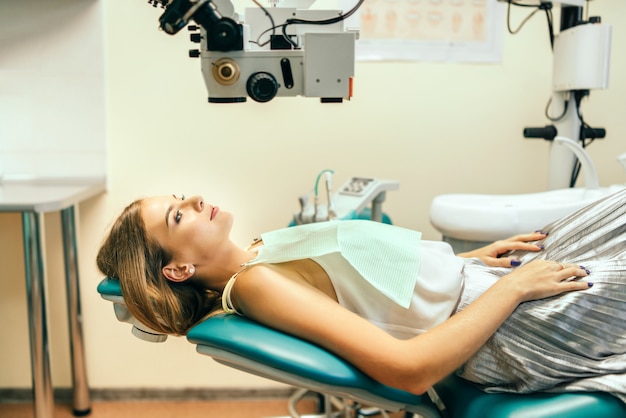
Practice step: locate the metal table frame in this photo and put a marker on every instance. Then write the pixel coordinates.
(32, 200)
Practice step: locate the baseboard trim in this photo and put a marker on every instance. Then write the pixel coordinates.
(64, 395)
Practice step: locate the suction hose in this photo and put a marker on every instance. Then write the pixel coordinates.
(591, 175)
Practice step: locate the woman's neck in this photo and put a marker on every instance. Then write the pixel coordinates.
(215, 273)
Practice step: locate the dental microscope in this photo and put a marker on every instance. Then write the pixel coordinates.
(288, 50)
(581, 55)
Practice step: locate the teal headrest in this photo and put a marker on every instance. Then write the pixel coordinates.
(110, 287)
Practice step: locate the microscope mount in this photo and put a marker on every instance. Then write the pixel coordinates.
(581, 54)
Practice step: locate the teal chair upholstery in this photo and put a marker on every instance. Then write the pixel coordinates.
(249, 346)
(463, 400)
(109, 288)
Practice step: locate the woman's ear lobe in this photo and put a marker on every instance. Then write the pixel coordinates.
(175, 274)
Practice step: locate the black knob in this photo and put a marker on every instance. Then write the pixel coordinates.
(547, 132)
(195, 38)
(194, 53)
(262, 87)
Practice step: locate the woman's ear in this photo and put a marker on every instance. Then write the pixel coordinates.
(178, 273)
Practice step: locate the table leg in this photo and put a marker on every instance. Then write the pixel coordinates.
(37, 322)
(81, 401)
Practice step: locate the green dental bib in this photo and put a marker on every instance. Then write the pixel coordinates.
(386, 256)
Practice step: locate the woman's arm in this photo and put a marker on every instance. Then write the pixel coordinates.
(264, 294)
(492, 254)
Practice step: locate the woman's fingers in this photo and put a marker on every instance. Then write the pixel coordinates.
(570, 271)
(542, 278)
(494, 254)
(532, 236)
(501, 261)
(502, 247)
(523, 246)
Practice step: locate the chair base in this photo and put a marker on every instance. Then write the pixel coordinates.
(332, 407)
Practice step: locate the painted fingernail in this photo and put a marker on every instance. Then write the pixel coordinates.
(586, 270)
(539, 231)
(515, 263)
(589, 284)
(541, 247)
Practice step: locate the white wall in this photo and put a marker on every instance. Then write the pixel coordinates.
(51, 89)
(437, 128)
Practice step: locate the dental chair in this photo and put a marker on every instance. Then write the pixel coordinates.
(249, 346)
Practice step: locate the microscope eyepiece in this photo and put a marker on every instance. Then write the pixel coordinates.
(173, 18)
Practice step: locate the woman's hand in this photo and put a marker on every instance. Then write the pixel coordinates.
(542, 279)
(492, 253)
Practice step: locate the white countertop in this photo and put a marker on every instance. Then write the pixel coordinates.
(47, 195)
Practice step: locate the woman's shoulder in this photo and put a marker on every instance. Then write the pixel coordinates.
(294, 270)
(271, 284)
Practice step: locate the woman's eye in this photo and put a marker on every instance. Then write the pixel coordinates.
(177, 216)
(182, 197)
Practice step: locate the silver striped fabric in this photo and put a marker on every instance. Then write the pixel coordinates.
(576, 341)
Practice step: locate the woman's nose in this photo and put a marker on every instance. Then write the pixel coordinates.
(197, 202)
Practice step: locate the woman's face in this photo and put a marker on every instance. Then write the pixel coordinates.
(190, 229)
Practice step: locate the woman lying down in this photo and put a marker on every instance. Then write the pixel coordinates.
(536, 312)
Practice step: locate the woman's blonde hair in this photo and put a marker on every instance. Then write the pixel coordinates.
(131, 256)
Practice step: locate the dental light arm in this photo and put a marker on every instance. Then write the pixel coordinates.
(303, 52)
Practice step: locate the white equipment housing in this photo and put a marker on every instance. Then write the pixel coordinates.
(582, 57)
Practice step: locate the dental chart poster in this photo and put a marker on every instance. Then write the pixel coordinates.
(429, 30)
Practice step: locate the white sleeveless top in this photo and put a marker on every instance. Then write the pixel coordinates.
(383, 273)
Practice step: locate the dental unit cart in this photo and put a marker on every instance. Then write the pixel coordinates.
(32, 200)
(349, 202)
